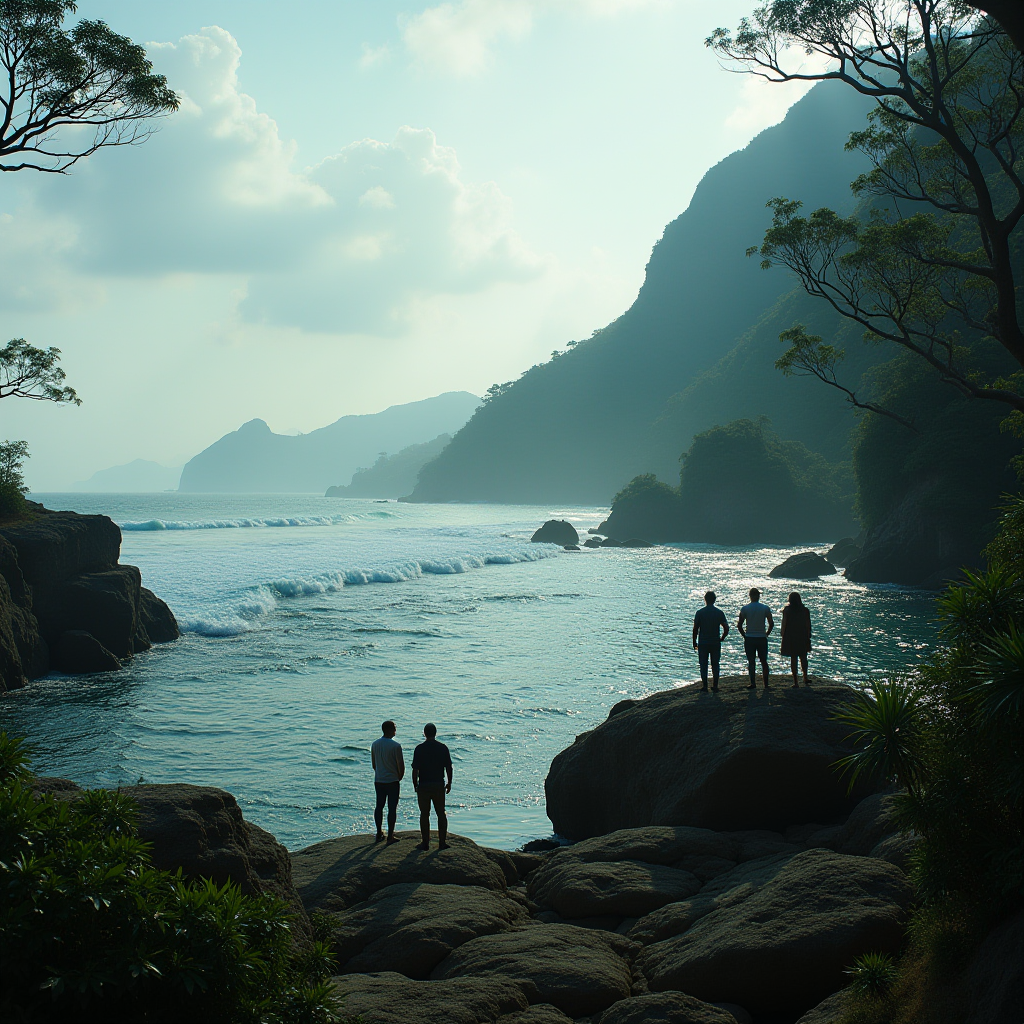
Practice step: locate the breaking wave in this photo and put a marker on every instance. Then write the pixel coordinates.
(257, 523)
(244, 611)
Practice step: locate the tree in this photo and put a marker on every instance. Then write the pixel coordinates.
(30, 372)
(12, 455)
(65, 93)
(936, 263)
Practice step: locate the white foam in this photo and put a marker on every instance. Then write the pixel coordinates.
(250, 523)
(245, 611)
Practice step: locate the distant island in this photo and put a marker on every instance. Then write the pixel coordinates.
(138, 476)
(253, 459)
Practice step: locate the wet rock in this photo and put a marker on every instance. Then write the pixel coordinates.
(592, 542)
(338, 873)
(785, 946)
(411, 927)
(808, 565)
(636, 542)
(157, 619)
(664, 1008)
(579, 970)
(79, 652)
(556, 531)
(105, 604)
(388, 998)
(843, 552)
(744, 761)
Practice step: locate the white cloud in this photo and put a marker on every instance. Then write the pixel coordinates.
(347, 246)
(374, 56)
(457, 39)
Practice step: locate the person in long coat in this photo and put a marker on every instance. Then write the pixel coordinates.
(796, 634)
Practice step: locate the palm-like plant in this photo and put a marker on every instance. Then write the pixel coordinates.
(888, 727)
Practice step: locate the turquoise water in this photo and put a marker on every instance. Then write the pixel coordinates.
(308, 620)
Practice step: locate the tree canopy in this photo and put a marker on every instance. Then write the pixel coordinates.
(934, 260)
(30, 372)
(65, 93)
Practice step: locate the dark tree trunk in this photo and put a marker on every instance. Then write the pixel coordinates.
(1009, 14)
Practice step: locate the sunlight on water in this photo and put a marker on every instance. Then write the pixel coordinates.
(310, 620)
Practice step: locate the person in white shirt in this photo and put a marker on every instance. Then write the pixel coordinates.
(388, 771)
(755, 625)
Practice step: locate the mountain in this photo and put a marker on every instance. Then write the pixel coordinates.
(392, 476)
(253, 459)
(577, 428)
(137, 477)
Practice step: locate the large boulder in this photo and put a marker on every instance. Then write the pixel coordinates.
(411, 927)
(744, 760)
(388, 998)
(339, 873)
(105, 604)
(665, 1008)
(622, 888)
(556, 531)
(541, 1013)
(79, 652)
(831, 1010)
(579, 970)
(785, 946)
(808, 565)
(201, 830)
(844, 551)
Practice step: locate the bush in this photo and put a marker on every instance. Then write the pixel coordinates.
(90, 931)
(12, 501)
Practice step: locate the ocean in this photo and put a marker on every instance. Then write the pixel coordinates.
(306, 621)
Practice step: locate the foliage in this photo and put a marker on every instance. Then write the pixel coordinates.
(937, 260)
(66, 93)
(1006, 550)
(12, 455)
(90, 931)
(30, 372)
(873, 974)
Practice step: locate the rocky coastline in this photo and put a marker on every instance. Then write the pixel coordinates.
(67, 603)
(721, 874)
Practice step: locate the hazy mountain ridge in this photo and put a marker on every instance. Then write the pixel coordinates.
(391, 476)
(577, 428)
(253, 459)
(137, 476)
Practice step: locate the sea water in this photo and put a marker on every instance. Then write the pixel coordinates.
(306, 621)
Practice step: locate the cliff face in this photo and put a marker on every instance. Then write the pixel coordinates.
(67, 603)
(577, 428)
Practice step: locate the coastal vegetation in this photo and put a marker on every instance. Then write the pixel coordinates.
(739, 484)
(91, 931)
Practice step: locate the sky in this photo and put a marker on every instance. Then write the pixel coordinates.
(358, 203)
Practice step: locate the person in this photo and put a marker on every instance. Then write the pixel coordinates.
(755, 625)
(796, 634)
(707, 641)
(430, 762)
(388, 772)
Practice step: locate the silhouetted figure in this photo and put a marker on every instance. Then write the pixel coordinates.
(388, 772)
(707, 640)
(796, 634)
(430, 762)
(755, 625)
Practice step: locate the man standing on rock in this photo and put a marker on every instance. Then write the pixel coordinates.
(759, 623)
(707, 640)
(388, 772)
(430, 761)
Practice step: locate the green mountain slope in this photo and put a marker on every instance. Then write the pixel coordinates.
(577, 428)
(391, 476)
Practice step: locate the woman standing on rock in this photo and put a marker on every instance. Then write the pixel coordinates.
(796, 633)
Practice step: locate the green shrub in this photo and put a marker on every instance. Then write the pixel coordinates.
(90, 931)
(12, 501)
(873, 974)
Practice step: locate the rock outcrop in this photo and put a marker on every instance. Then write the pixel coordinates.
(66, 602)
(808, 565)
(729, 761)
(665, 1008)
(556, 531)
(844, 551)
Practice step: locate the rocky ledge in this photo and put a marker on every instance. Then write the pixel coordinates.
(66, 602)
(656, 924)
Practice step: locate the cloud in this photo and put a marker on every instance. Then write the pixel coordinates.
(457, 39)
(347, 246)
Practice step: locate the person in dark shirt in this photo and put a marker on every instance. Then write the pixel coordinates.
(430, 762)
(707, 641)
